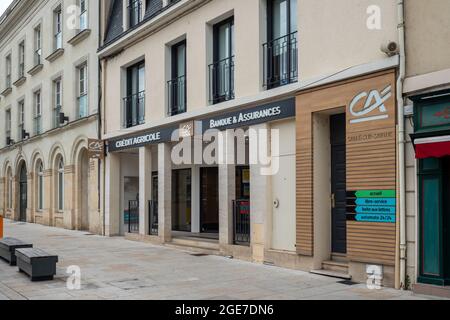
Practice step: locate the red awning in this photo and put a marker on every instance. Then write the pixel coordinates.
(435, 147)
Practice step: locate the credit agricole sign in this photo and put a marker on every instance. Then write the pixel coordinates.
(247, 117)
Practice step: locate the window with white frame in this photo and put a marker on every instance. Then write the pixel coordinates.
(83, 15)
(37, 112)
(8, 125)
(57, 101)
(37, 45)
(60, 182)
(21, 119)
(21, 59)
(8, 71)
(82, 98)
(57, 21)
(40, 186)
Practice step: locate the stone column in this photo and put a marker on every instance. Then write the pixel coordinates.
(15, 199)
(2, 196)
(49, 198)
(227, 188)
(145, 188)
(260, 192)
(31, 195)
(164, 192)
(69, 195)
(112, 195)
(95, 221)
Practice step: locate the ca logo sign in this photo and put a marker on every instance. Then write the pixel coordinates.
(373, 100)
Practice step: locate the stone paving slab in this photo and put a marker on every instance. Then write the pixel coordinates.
(119, 269)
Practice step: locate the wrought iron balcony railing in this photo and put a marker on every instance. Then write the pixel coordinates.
(176, 90)
(221, 80)
(281, 61)
(134, 110)
(56, 116)
(153, 214)
(241, 222)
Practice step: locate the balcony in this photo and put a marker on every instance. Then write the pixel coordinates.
(38, 66)
(176, 90)
(57, 117)
(135, 13)
(221, 80)
(21, 70)
(9, 141)
(281, 61)
(8, 81)
(82, 102)
(134, 110)
(37, 125)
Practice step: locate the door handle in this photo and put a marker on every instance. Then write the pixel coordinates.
(333, 201)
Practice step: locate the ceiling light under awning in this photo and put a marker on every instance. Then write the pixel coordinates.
(433, 147)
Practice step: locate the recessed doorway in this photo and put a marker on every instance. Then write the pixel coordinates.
(209, 200)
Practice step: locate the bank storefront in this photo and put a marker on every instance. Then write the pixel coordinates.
(347, 178)
(223, 183)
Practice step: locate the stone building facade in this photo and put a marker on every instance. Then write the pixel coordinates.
(48, 111)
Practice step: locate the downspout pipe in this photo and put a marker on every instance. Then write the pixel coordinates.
(401, 140)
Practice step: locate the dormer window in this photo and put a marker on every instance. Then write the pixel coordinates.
(135, 12)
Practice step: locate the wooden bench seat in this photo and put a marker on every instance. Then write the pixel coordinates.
(36, 263)
(8, 248)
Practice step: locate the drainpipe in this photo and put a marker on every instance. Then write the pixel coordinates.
(401, 141)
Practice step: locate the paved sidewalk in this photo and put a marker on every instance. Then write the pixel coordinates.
(115, 268)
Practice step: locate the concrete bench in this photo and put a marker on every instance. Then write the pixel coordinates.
(8, 248)
(36, 263)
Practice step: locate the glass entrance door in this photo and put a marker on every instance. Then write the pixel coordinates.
(209, 200)
(181, 200)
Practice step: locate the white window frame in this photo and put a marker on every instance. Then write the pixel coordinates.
(58, 28)
(57, 100)
(8, 67)
(38, 45)
(84, 16)
(21, 60)
(82, 88)
(8, 123)
(21, 118)
(38, 112)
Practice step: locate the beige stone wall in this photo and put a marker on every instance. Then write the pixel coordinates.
(427, 34)
(342, 23)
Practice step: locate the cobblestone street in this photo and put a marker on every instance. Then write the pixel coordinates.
(115, 268)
